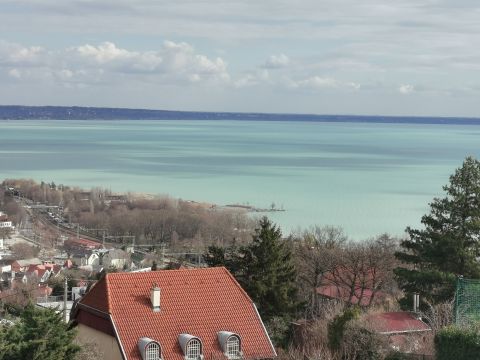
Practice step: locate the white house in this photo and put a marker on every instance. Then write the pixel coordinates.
(116, 258)
(4, 222)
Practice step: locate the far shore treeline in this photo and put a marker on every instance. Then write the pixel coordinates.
(19, 112)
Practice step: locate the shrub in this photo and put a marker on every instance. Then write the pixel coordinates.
(337, 326)
(455, 342)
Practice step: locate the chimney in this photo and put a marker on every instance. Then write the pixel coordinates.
(416, 302)
(155, 297)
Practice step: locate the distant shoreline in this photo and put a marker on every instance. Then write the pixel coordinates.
(65, 113)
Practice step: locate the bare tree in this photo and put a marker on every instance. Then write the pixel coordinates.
(24, 251)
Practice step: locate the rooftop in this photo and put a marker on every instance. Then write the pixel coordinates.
(397, 323)
(200, 302)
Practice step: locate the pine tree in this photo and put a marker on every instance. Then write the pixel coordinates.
(449, 245)
(264, 268)
(267, 272)
(41, 334)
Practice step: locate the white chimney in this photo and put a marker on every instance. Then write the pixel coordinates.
(416, 302)
(155, 297)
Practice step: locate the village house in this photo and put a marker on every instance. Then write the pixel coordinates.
(4, 221)
(345, 285)
(189, 314)
(406, 332)
(23, 264)
(42, 272)
(83, 257)
(116, 258)
(99, 258)
(81, 244)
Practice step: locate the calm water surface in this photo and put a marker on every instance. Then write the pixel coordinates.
(368, 178)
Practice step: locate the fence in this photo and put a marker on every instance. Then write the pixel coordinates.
(49, 299)
(467, 301)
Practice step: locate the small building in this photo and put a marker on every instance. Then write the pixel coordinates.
(5, 266)
(22, 265)
(116, 258)
(405, 331)
(342, 285)
(189, 314)
(4, 221)
(81, 244)
(42, 272)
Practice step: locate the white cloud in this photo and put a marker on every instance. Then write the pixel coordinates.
(252, 79)
(319, 83)
(15, 73)
(277, 61)
(172, 62)
(406, 89)
(15, 54)
(105, 52)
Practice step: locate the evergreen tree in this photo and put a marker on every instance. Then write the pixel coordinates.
(264, 268)
(449, 245)
(40, 335)
(267, 272)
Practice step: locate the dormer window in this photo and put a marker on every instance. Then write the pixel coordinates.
(233, 347)
(231, 344)
(152, 351)
(194, 350)
(191, 346)
(149, 349)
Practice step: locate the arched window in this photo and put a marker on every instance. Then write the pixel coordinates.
(149, 349)
(233, 347)
(194, 350)
(152, 351)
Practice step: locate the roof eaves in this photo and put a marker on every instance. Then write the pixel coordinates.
(264, 329)
(91, 310)
(124, 356)
(403, 331)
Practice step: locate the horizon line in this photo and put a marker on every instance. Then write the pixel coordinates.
(257, 113)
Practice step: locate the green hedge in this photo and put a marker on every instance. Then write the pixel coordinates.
(458, 343)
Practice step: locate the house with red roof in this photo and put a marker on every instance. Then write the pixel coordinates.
(82, 244)
(405, 331)
(24, 264)
(187, 314)
(351, 287)
(43, 272)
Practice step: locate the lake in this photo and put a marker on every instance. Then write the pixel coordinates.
(368, 178)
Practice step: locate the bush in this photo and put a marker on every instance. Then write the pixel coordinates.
(397, 356)
(360, 343)
(279, 330)
(455, 342)
(337, 327)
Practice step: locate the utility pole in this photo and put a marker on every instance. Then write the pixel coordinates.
(65, 293)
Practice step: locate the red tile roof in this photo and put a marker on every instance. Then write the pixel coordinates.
(200, 302)
(83, 244)
(396, 322)
(337, 285)
(359, 297)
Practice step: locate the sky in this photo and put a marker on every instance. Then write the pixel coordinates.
(368, 57)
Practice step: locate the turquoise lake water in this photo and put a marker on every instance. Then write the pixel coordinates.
(368, 178)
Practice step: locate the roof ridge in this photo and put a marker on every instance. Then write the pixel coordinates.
(107, 289)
